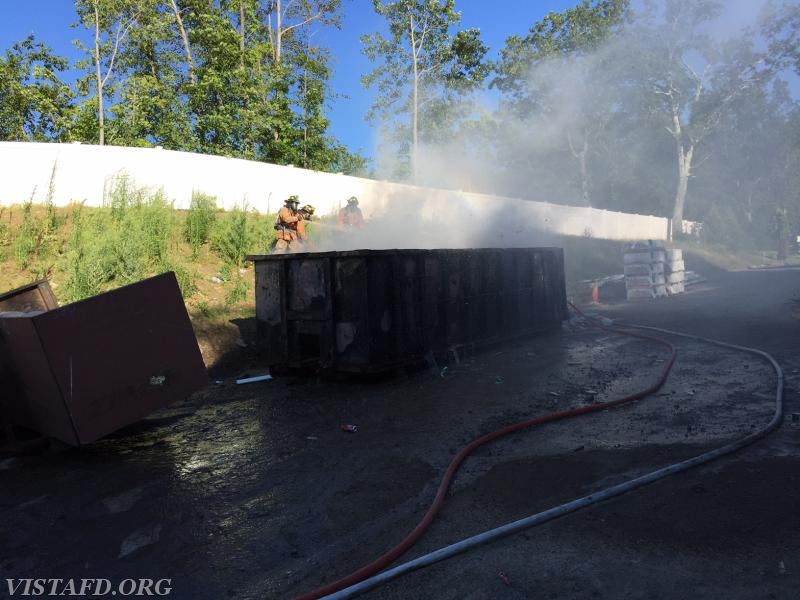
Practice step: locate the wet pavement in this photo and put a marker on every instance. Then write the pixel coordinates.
(254, 491)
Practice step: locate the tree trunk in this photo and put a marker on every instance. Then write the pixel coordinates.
(684, 172)
(415, 103)
(186, 48)
(241, 31)
(583, 163)
(100, 106)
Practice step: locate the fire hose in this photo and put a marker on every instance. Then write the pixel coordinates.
(369, 576)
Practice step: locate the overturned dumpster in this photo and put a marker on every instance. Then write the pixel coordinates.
(374, 310)
(84, 370)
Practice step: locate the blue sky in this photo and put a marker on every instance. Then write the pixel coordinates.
(50, 21)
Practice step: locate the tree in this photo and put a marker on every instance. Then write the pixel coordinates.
(560, 64)
(110, 21)
(152, 82)
(35, 104)
(421, 62)
(688, 83)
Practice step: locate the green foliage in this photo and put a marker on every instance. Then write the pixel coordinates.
(27, 239)
(240, 232)
(722, 225)
(422, 61)
(237, 292)
(35, 105)
(199, 221)
(128, 241)
(36, 238)
(233, 238)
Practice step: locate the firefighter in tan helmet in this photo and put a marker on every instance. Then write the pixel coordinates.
(291, 226)
(350, 215)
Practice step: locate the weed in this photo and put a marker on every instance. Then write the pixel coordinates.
(238, 292)
(233, 237)
(27, 237)
(199, 221)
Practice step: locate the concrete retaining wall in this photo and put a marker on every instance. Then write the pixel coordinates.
(82, 173)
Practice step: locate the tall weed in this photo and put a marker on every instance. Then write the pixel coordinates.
(234, 237)
(199, 221)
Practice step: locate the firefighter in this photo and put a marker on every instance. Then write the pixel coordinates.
(305, 214)
(287, 226)
(350, 215)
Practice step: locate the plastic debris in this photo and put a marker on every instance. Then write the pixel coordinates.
(504, 577)
(349, 428)
(781, 568)
(498, 379)
(157, 380)
(554, 394)
(443, 372)
(253, 379)
(311, 437)
(216, 279)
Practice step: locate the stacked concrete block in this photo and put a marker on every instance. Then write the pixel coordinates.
(674, 271)
(652, 271)
(645, 275)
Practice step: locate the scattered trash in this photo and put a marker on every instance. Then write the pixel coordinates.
(216, 279)
(311, 437)
(157, 380)
(591, 392)
(253, 379)
(349, 428)
(139, 539)
(498, 379)
(219, 382)
(554, 394)
(241, 343)
(795, 418)
(123, 502)
(781, 568)
(504, 577)
(443, 372)
(579, 448)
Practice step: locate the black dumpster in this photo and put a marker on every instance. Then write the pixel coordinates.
(373, 310)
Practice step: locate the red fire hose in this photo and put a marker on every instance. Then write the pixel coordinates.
(392, 555)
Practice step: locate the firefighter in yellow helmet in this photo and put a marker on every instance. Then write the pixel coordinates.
(350, 215)
(287, 226)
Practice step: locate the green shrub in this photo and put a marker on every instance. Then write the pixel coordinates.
(126, 242)
(199, 221)
(36, 238)
(233, 238)
(238, 291)
(187, 280)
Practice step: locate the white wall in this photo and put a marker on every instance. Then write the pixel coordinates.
(83, 171)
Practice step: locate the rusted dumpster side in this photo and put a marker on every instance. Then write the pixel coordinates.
(372, 310)
(89, 368)
(36, 296)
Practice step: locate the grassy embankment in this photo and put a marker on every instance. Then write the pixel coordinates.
(84, 251)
